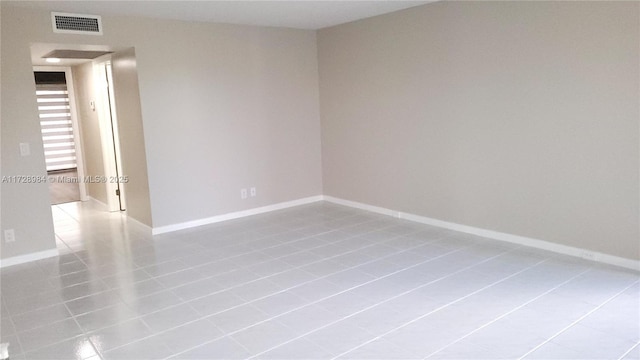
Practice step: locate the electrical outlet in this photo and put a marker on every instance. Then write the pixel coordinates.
(9, 235)
(253, 192)
(589, 255)
(243, 194)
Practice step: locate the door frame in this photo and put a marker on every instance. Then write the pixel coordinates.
(75, 124)
(109, 136)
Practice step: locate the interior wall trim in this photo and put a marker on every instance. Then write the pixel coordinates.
(21, 259)
(234, 215)
(491, 234)
(496, 235)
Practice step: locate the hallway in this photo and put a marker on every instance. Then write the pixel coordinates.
(63, 187)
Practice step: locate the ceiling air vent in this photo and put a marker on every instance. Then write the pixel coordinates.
(76, 23)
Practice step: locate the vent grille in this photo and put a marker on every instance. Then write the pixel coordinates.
(76, 23)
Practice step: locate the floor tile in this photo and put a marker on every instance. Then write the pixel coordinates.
(379, 349)
(620, 317)
(6, 326)
(465, 351)
(170, 317)
(256, 289)
(316, 289)
(591, 343)
(238, 318)
(292, 278)
(93, 302)
(633, 353)
(296, 349)
(307, 318)
(118, 335)
(79, 348)
(190, 335)
(345, 304)
(32, 303)
(500, 341)
(48, 334)
(264, 336)
(270, 268)
(165, 268)
(422, 339)
(313, 281)
(178, 278)
(279, 303)
(81, 290)
(154, 302)
(148, 348)
(339, 337)
(41, 317)
(132, 291)
(105, 317)
(216, 303)
(197, 289)
(224, 348)
(381, 319)
(552, 350)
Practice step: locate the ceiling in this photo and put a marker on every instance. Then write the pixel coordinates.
(40, 50)
(301, 14)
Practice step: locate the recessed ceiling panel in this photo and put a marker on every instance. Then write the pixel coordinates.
(75, 54)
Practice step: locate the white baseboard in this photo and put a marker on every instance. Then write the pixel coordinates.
(496, 235)
(21, 259)
(357, 205)
(516, 239)
(105, 207)
(137, 222)
(98, 202)
(234, 215)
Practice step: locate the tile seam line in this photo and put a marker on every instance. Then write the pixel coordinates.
(249, 252)
(509, 312)
(443, 307)
(355, 287)
(305, 237)
(95, 348)
(151, 277)
(288, 289)
(630, 350)
(256, 240)
(230, 288)
(253, 264)
(294, 268)
(578, 320)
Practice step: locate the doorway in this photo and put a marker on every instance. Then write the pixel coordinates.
(60, 134)
(110, 150)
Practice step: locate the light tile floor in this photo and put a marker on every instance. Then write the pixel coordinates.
(313, 282)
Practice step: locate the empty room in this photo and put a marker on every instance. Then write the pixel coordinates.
(320, 180)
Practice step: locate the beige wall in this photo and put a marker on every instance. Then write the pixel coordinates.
(84, 87)
(519, 117)
(232, 107)
(223, 107)
(131, 135)
(24, 207)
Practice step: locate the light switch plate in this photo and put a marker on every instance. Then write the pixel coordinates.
(25, 149)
